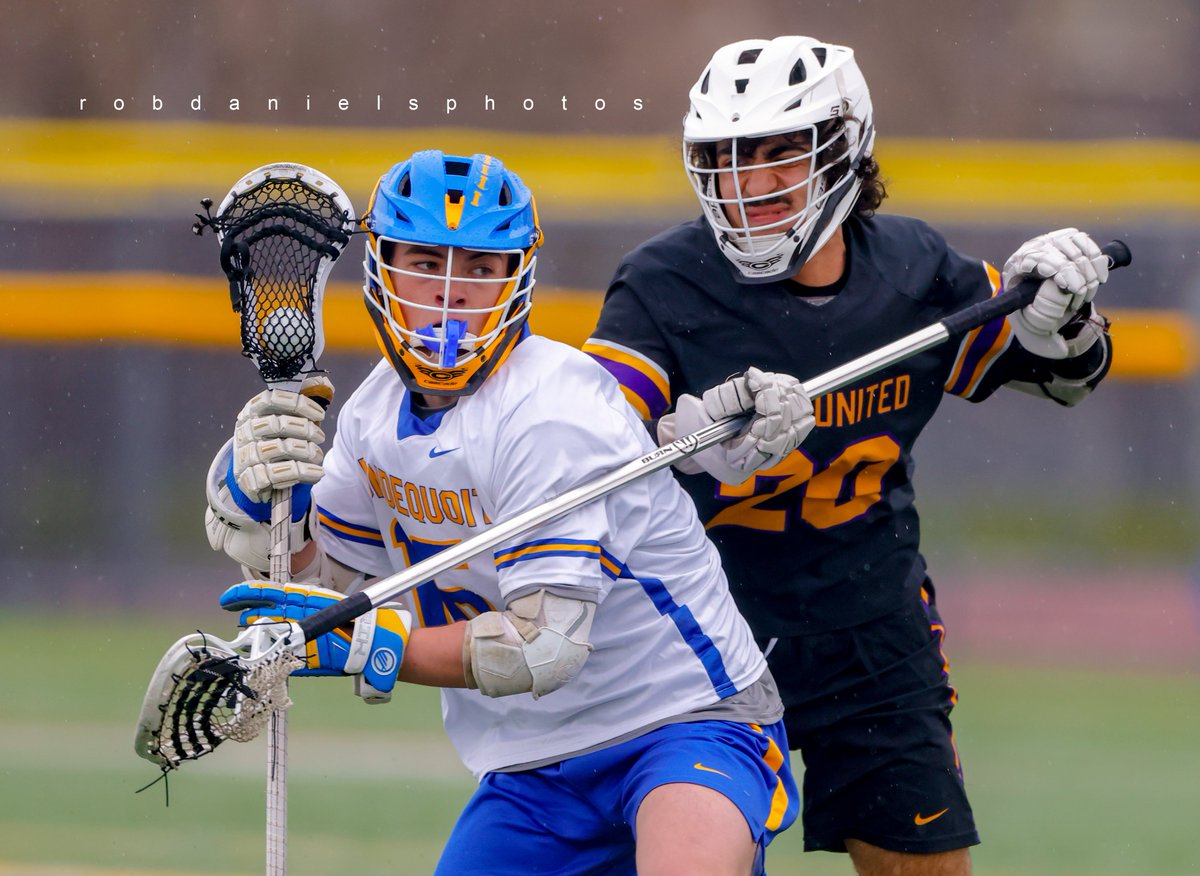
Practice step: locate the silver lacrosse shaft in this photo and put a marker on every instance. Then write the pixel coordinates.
(667, 455)
(960, 322)
(401, 582)
(277, 735)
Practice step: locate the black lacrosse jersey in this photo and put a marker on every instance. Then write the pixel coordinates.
(829, 537)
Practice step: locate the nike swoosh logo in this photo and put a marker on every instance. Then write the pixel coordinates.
(920, 819)
(701, 766)
(434, 453)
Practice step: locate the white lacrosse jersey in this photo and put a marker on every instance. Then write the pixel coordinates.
(667, 637)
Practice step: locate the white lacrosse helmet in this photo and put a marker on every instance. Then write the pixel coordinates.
(759, 88)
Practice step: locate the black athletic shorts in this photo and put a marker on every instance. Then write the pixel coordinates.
(869, 709)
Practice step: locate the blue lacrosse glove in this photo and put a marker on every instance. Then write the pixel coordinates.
(371, 649)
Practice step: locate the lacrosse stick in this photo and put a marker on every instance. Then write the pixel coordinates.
(179, 720)
(281, 228)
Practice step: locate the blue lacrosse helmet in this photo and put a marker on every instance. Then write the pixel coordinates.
(442, 220)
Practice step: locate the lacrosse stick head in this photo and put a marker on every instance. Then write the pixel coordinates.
(281, 228)
(206, 690)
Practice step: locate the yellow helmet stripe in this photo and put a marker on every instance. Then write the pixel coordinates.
(454, 211)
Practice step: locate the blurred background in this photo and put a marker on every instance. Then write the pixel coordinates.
(1063, 542)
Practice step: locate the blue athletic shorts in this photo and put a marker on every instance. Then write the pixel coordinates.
(577, 816)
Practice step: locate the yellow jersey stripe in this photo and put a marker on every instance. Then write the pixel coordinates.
(590, 550)
(626, 356)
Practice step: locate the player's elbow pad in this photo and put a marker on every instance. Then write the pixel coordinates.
(536, 646)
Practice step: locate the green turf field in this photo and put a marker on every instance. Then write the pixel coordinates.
(1070, 773)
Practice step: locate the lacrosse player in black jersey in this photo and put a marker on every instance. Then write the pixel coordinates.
(790, 271)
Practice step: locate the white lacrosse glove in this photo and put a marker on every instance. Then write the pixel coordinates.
(277, 440)
(782, 418)
(1073, 268)
(237, 519)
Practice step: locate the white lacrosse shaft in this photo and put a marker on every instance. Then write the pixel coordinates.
(277, 736)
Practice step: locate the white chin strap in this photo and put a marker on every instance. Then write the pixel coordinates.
(759, 244)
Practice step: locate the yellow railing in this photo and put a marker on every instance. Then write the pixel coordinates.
(89, 168)
(148, 308)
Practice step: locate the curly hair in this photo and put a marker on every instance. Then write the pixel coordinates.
(873, 188)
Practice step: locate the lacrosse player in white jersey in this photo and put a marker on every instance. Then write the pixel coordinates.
(597, 678)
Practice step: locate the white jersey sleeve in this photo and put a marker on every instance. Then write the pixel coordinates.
(568, 433)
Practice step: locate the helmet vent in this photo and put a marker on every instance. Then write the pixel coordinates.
(505, 195)
(704, 82)
(795, 104)
(457, 168)
(749, 56)
(741, 84)
(406, 186)
(798, 74)
(819, 53)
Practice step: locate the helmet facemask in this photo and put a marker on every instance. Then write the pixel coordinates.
(811, 171)
(434, 343)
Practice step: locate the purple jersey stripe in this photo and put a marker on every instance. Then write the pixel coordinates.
(637, 383)
(983, 344)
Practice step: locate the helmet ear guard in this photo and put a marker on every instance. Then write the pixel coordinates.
(758, 89)
(458, 207)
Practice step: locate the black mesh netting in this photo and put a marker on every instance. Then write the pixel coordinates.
(216, 698)
(276, 239)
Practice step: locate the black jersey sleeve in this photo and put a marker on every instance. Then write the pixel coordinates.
(960, 282)
(1063, 381)
(989, 356)
(629, 343)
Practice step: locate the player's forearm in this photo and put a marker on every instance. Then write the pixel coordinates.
(304, 557)
(434, 656)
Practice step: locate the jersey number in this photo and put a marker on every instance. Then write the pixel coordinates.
(437, 607)
(840, 492)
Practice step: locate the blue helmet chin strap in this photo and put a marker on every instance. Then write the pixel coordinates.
(444, 338)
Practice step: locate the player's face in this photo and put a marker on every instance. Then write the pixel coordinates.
(764, 180)
(433, 281)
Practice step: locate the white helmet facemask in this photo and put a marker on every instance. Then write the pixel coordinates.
(792, 112)
(441, 339)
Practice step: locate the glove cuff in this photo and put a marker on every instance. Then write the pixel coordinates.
(363, 689)
(666, 434)
(377, 649)
(261, 511)
(243, 538)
